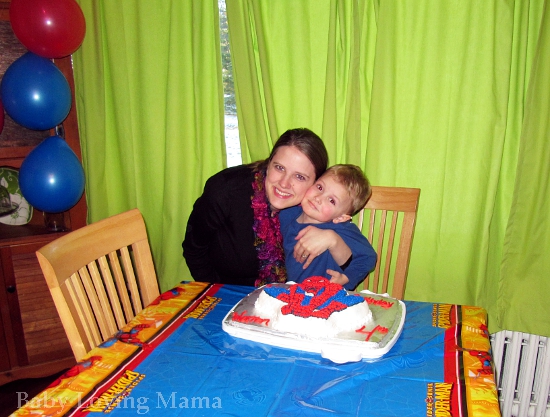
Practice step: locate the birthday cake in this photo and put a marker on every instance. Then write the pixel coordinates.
(318, 316)
(316, 307)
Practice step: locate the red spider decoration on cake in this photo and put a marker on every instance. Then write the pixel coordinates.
(314, 297)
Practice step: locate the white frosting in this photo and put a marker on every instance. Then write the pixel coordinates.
(350, 319)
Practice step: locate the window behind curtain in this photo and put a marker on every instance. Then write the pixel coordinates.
(232, 144)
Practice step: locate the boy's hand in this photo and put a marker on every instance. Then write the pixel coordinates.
(337, 277)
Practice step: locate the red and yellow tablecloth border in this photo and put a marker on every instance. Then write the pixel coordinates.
(105, 366)
(469, 386)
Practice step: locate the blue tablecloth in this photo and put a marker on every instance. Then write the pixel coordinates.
(440, 365)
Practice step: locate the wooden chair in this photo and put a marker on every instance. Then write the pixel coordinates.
(100, 276)
(396, 206)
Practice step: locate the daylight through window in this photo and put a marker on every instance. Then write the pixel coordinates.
(232, 144)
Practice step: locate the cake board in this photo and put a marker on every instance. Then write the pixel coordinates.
(371, 342)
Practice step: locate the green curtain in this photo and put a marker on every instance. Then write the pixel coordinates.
(269, 63)
(425, 94)
(150, 108)
(450, 97)
(302, 64)
(524, 282)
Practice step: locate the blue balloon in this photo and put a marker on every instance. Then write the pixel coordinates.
(51, 177)
(35, 92)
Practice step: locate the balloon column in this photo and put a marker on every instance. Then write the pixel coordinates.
(36, 95)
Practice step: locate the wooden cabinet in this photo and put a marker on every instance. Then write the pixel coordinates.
(32, 340)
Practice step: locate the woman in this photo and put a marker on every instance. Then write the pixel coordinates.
(233, 234)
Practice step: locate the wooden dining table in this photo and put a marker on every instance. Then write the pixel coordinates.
(175, 359)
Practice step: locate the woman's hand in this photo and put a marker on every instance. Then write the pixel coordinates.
(312, 241)
(337, 277)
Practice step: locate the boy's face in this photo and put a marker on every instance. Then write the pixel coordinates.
(326, 200)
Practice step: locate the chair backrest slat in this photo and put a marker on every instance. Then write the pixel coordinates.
(81, 308)
(389, 251)
(100, 276)
(121, 287)
(380, 246)
(88, 299)
(391, 267)
(108, 273)
(101, 306)
(131, 277)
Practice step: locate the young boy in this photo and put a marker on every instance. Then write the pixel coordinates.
(336, 196)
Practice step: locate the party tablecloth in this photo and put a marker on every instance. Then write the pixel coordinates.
(175, 359)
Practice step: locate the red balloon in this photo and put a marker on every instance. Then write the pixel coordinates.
(49, 28)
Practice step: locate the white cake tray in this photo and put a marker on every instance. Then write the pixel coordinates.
(346, 347)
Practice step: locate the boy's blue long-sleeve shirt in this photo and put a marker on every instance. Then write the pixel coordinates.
(363, 255)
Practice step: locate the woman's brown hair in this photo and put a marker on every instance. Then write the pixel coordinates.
(306, 142)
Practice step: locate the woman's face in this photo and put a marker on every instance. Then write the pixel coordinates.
(289, 174)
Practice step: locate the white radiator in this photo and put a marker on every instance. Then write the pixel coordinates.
(522, 373)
